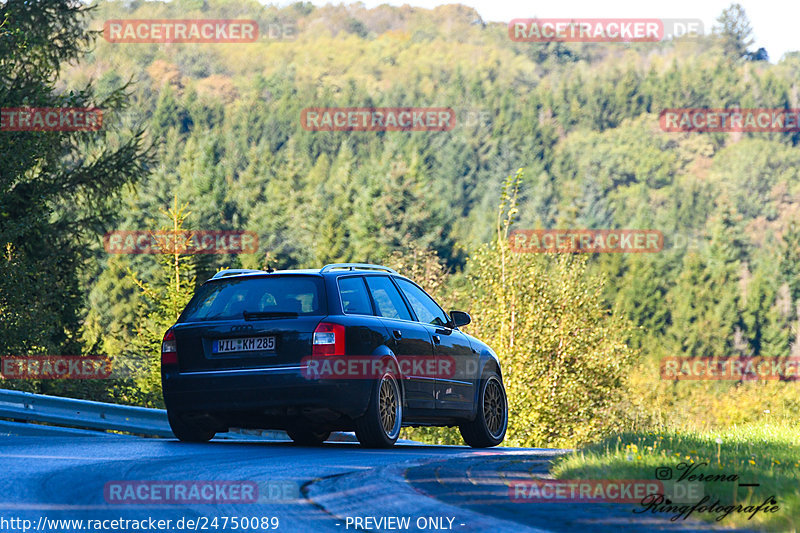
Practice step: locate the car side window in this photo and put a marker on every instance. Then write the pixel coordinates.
(355, 300)
(387, 299)
(423, 305)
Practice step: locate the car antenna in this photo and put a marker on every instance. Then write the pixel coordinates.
(267, 268)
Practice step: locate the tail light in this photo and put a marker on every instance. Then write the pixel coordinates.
(328, 339)
(169, 351)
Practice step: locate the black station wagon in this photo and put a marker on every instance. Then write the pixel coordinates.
(346, 347)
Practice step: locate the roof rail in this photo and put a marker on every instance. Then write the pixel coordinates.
(234, 272)
(354, 266)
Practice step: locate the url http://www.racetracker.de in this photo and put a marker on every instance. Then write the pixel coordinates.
(197, 523)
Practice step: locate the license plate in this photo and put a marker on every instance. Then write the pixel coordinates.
(247, 344)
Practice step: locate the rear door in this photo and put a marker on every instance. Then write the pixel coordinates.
(411, 340)
(456, 362)
(250, 322)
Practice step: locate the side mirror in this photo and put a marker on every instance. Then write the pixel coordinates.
(460, 318)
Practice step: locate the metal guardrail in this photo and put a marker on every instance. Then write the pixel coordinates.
(85, 414)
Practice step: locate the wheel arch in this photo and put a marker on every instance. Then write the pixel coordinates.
(488, 362)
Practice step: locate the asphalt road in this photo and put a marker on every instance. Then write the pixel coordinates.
(338, 487)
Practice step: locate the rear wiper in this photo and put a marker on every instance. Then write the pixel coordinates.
(268, 314)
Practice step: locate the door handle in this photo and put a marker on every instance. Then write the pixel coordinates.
(436, 339)
(397, 334)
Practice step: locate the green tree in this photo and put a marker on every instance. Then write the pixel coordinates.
(162, 301)
(705, 300)
(57, 189)
(565, 357)
(735, 31)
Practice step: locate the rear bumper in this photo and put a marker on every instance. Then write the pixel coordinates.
(274, 395)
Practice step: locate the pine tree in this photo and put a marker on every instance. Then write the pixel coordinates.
(704, 302)
(57, 189)
(735, 31)
(162, 301)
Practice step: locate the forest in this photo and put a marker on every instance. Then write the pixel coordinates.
(547, 135)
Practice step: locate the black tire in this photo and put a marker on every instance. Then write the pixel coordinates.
(306, 436)
(380, 425)
(187, 432)
(491, 421)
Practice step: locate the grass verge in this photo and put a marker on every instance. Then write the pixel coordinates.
(766, 453)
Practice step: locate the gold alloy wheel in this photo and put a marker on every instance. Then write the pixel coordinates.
(494, 407)
(389, 403)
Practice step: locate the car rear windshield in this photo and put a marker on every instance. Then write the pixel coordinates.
(257, 297)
